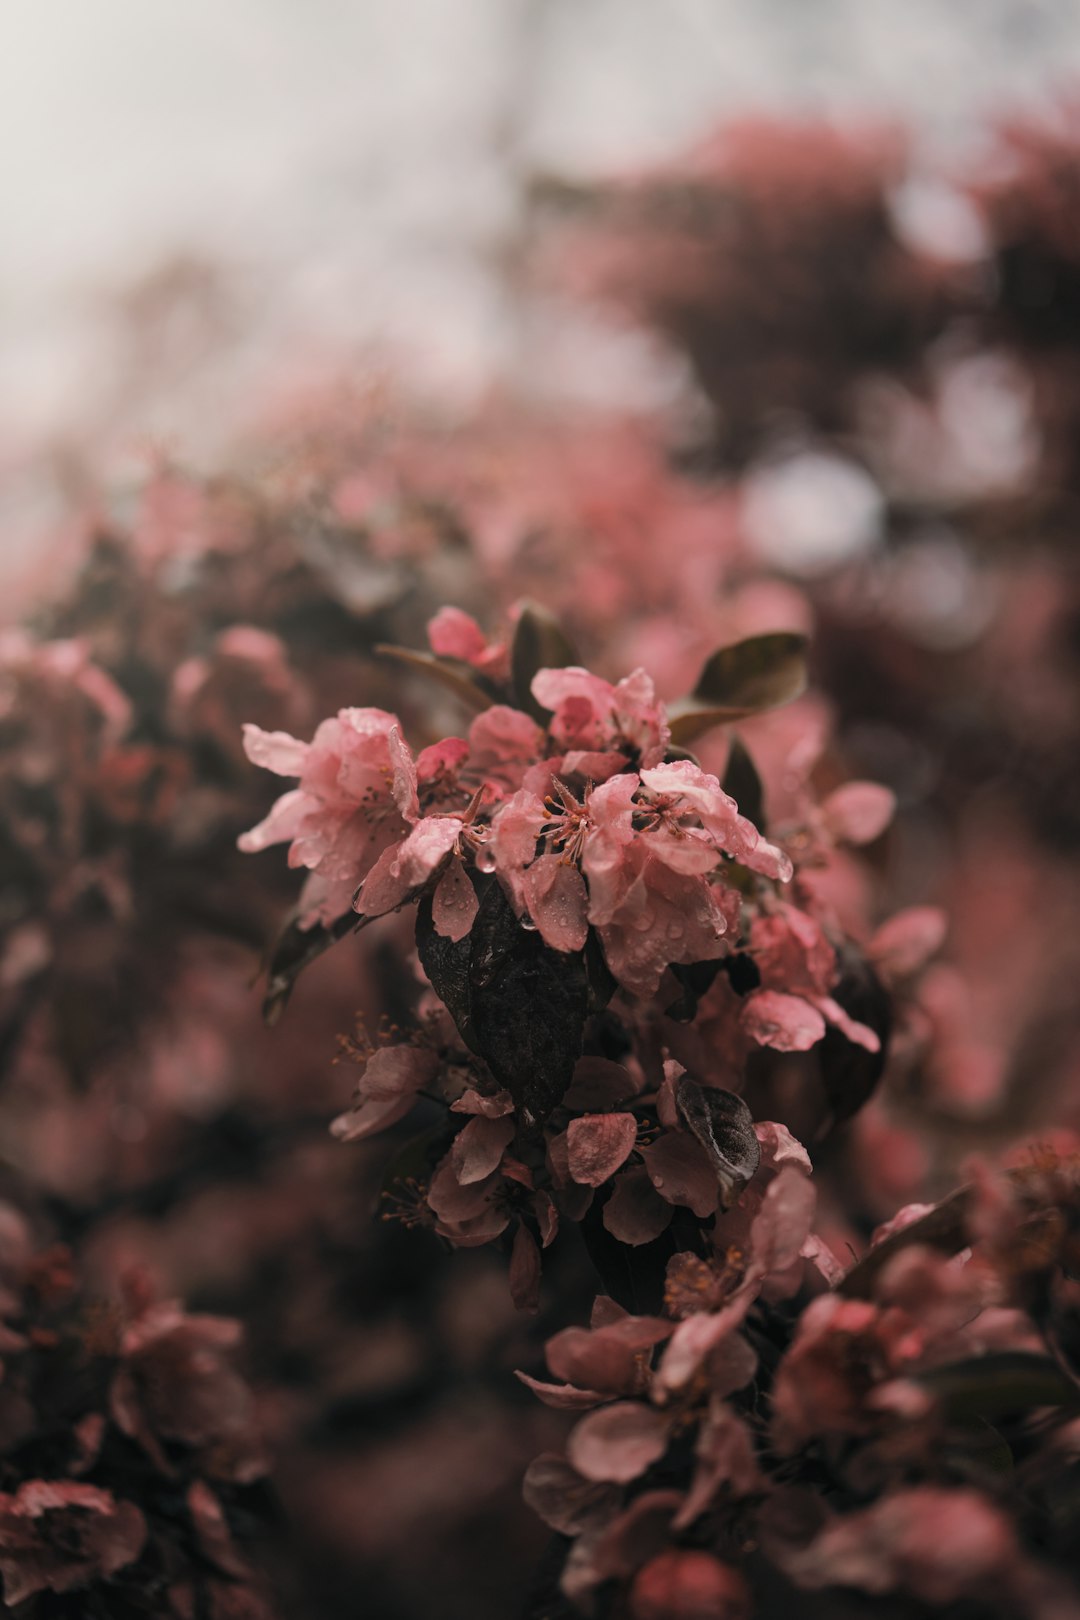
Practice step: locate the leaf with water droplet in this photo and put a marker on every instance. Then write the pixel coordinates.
(724, 1126)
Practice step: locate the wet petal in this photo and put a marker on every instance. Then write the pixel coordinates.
(680, 1170)
(557, 900)
(787, 1023)
(455, 905)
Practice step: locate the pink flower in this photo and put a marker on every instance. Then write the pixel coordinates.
(839, 1353)
(503, 744)
(611, 1356)
(798, 969)
(645, 847)
(942, 1545)
(453, 633)
(57, 1535)
(356, 793)
(386, 1091)
(683, 788)
(405, 868)
(591, 715)
(858, 812)
(176, 1384)
(685, 1584)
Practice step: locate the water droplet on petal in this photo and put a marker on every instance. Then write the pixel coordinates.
(485, 860)
(658, 1182)
(527, 922)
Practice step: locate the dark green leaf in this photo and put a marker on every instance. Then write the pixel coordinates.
(979, 1448)
(527, 1005)
(943, 1228)
(1002, 1383)
(849, 1072)
(446, 963)
(634, 1278)
(742, 782)
(517, 1004)
(539, 643)
(696, 978)
(759, 673)
(294, 950)
(459, 677)
(723, 1125)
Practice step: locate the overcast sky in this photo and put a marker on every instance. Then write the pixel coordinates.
(353, 161)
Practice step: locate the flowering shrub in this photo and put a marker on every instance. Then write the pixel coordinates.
(593, 908)
(129, 1450)
(784, 1424)
(586, 895)
(648, 985)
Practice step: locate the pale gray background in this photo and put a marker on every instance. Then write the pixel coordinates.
(352, 168)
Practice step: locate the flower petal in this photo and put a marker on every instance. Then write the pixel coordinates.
(597, 1144)
(787, 1023)
(858, 812)
(566, 1501)
(557, 900)
(478, 1148)
(618, 1442)
(454, 906)
(635, 1213)
(680, 1170)
(275, 751)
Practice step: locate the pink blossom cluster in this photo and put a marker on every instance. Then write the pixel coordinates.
(784, 1420)
(129, 1447)
(578, 844)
